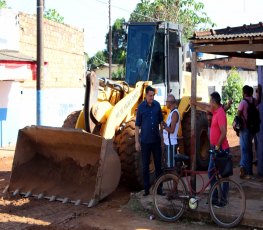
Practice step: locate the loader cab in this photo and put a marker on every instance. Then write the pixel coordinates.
(154, 54)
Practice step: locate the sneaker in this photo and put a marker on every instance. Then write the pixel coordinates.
(242, 172)
(220, 204)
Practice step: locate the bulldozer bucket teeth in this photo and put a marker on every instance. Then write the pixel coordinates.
(64, 164)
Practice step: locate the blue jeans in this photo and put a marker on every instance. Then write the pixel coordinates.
(147, 150)
(224, 189)
(246, 151)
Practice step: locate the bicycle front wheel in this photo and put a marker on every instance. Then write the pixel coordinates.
(227, 203)
(170, 205)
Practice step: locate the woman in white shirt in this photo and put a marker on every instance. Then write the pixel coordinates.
(170, 131)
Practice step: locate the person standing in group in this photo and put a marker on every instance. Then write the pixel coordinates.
(218, 140)
(246, 134)
(148, 119)
(206, 106)
(170, 131)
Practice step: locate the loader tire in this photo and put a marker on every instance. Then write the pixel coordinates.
(202, 139)
(71, 120)
(131, 160)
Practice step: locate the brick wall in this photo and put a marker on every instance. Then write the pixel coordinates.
(63, 50)
(244, 63)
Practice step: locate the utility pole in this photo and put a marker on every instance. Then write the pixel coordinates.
(110, 40)
(40, 60)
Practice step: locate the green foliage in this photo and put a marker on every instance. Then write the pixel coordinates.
(3, 4)
(188, 13)
(233, 90)
(119, 74)
(230, 119)
(118, 42)
(98, 59)
(86, 56)
(53, 15)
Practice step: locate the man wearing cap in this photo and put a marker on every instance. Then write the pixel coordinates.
(148, 119)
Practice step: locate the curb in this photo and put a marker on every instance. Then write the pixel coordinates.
(139, 203)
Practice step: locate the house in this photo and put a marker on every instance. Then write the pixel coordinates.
(103, 70)
(242, 41)
(214, 69)
(63, 90)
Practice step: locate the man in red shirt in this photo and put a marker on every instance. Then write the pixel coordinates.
(219, 124)
(218, 141)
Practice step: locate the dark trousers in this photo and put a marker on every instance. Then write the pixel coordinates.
(225, 186)
(156, 151)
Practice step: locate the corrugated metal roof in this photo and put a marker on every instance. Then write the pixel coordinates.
(14, 56)
(245, 31)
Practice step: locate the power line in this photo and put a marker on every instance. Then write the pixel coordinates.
(120, 8)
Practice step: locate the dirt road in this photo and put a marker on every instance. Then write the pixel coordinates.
(115, 212)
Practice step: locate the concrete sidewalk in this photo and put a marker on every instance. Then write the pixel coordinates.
(254, 201)
(253, 189)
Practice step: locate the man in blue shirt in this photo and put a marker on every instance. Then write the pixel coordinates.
(148, 118)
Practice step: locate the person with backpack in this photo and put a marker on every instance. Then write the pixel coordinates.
(249, 114)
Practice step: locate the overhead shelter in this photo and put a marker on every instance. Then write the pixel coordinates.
(243, 41)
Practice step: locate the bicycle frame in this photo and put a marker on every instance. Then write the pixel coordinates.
(180, 194)
(187, 173)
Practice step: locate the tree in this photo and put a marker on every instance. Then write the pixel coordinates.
(188, 13)
(118, 42)
(98, 59)
(3, 4)
(119, 74)
(233, 90)
(53, 15)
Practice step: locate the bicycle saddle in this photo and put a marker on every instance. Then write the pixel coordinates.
(181, 157)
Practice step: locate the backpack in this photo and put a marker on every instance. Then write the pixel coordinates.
(253, 117)
(238, 124)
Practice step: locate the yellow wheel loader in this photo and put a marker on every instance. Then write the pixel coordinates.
(82, 162)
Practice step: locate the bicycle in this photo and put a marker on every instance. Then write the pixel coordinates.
(226, 207)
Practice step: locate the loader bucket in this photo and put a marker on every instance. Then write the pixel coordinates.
(68, 165)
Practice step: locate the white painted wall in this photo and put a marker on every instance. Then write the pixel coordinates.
(21, 108)
(218, 78)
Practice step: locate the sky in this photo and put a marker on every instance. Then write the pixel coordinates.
(92, 15)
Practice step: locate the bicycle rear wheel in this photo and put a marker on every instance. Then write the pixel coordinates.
(171, 204)
(227, 203)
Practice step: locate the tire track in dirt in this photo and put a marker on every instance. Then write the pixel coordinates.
(22, 213)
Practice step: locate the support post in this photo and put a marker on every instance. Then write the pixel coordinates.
(40, 61)
(259, 135)
(193, 119)
(110, 41)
